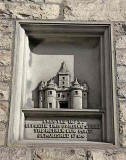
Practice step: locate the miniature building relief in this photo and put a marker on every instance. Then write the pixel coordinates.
(61, 92)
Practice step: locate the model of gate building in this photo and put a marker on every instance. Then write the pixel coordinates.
(60, 92)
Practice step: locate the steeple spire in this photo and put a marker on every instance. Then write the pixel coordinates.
(63, 68)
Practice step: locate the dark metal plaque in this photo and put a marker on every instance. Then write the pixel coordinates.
(63, 128)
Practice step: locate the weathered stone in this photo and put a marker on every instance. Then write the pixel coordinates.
(107, 155)
(95, 10)
(119, 156)
(95, 155)
(5, 57)
(122, 109)
(123, 135)
(4, 91)
(3, 121)
(123, 141)
(5, 40)
(50, 11)
(121, 56)
(36, 1)
(15, 153)
(2, 134)
(53, 1)
(121, 71)
(118, 30)
(4, 154)
(5, 73)
(122, 89)
(121, 43)
(3, 111)
(31, 11)
(123, 129)
(59, 154)
(6, 26)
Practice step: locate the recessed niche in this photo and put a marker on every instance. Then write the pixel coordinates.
(63, 78)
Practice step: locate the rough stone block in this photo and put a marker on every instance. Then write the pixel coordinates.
(59, 154)
(6, 26)
(107, 155)
(5, 40)
(123, 130)
(4, 91)
(95, 10)
(123, 141)
(31, 11)
(122, 89)
(121, 56)
(36, 1)
(122, 109)
(3, 111)
(5, 58)
(2, 134)
(5, 74)
(50, 11)
(121, 71)
(123, 135)
(3, 121)
(15, 153)
(121, 43)
(54, 1)
(4, 154)
(118, 30)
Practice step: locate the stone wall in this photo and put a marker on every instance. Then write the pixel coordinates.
(113, 11)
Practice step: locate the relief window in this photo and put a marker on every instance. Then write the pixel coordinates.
(50, 105)
(76, 92)
(49, 92)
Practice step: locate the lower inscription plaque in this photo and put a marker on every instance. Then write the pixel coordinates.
(63, 128)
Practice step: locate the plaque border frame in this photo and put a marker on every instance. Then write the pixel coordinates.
(104, 30)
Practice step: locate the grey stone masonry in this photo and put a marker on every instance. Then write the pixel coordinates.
(121, 84)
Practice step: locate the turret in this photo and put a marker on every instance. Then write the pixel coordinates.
(84, 95)
(76, 95)
(64, 76)
(50, 95)
(41, 94)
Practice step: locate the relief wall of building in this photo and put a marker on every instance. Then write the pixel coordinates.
(64, 93)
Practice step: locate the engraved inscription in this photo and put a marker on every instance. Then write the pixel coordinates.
(81, 129)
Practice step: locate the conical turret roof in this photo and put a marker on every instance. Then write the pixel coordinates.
(63, 69)
(76, 85)
(51, 84)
